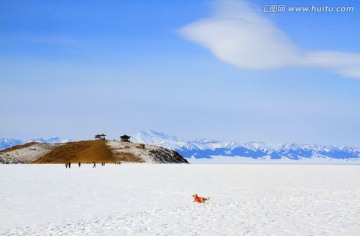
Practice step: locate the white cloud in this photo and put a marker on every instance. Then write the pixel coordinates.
(238, 35)
(346, 64)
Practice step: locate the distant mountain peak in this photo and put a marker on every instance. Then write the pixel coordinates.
(151, 134)
(9, 142)
(158, 138)
(51, 140)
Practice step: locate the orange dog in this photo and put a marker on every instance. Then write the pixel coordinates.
(200, 199)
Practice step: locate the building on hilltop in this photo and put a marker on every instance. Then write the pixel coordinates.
(100, 137)
(125, 138)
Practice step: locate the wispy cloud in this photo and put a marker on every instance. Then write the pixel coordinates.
(239, 35)
(346, 64)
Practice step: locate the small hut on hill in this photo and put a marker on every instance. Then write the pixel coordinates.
(125, 138)
(100, 137)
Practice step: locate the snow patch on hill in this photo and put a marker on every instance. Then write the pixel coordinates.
(27, 154)
(125, 148)
(148, 153)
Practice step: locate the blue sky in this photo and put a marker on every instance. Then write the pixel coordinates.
(189, 68)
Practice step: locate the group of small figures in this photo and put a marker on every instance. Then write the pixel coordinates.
(68, 164)
(102, 164)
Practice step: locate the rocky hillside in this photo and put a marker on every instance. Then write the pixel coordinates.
(89, 152)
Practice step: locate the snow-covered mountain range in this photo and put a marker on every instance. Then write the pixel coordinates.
(203, 148)
(9, 142)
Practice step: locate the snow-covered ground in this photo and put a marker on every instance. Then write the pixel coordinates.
(141, 199)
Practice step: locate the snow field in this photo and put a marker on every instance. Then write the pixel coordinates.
(140, 199)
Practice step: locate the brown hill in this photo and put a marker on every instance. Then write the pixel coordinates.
(83, 151)
(89, 152)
